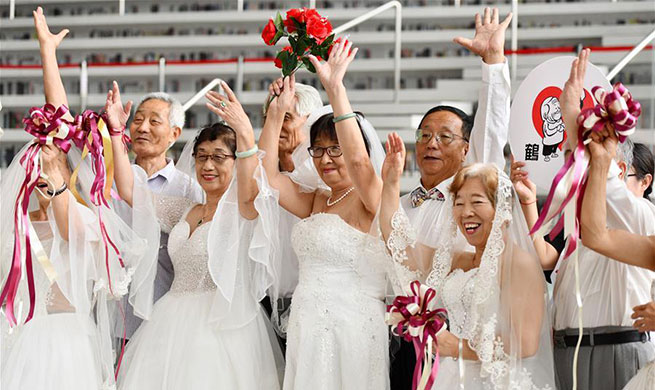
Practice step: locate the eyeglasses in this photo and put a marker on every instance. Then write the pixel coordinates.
(423, 137)
(332, 151)
(216, 158)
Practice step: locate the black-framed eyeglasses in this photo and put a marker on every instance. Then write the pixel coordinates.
(217, 158)
(332, 151)
(631, 174)
(423, 137)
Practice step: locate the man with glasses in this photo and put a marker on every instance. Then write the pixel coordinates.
(448, 138)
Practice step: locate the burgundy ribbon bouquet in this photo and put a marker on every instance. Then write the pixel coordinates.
(616, 109)
(49, 127)
(307, 32)
(416, 319)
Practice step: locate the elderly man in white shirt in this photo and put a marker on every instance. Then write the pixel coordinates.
(156, 125)
(447, 138)
(612, 350)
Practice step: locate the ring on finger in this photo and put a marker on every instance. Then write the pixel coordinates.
(223, 104)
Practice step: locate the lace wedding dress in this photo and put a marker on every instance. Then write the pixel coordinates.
(337, 338)
(179, 347)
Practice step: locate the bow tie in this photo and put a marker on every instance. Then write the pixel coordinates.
(419, 195)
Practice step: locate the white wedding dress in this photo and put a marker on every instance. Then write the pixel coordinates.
(58, 348)
(457, 298)
(336, 338)
(179, 347)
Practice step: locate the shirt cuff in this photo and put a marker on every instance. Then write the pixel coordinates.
(495, 73)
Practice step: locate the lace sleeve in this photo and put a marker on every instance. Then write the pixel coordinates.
(402, 236)
(170, 210)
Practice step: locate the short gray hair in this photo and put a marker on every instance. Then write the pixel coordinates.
(624, 152)
(308, 100)
(175, 113)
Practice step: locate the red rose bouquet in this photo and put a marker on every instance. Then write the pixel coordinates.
(307, 32)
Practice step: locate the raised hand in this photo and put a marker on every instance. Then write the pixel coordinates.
(283, 91)
(47, 40)
(525, 188)
(117, 115)
(571, 94)
(331, 73)
(394, 162)
(229, 108)
(489, 39)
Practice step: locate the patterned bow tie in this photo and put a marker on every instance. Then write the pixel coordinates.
(419, 195)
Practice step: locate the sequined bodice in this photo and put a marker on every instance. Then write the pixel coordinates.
(333, 254)
(457, 298)
(189, 256)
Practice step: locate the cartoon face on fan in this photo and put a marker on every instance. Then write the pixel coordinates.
(553, 127)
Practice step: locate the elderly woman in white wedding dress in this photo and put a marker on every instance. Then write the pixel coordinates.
(337, 338)
(208, 331)
(495, 295)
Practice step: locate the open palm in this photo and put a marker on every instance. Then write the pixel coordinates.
(117, 115)
(394, 161)
(46, 38)
(489, 39)
(331, 73)
(571, 95)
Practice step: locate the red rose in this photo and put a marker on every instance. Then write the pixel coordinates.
(318, 27)
(310, 13)
(277, 61)
(298, 15)
(269, 33)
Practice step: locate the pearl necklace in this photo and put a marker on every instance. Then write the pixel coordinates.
(330, 204)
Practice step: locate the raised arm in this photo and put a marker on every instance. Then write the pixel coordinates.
(491, 124)
(117, 117)
(229, 108)
(296, 202)
(570, 98)
(367, 183)
(619, 245)
(53, 87)
(392, 169)
(527, 192)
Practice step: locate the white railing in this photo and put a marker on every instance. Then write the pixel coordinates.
(636, 50)
(397, 37)
(199, 95)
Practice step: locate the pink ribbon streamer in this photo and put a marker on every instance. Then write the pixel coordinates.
(88, 124)
(616, 109)
(48, 126)
(413, 318)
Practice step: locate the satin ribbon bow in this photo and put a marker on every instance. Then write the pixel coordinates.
(416, 319)
(616, 107)
(48, 127)
(420, 195)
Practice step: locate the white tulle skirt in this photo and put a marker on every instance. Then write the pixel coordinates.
(645, 378)
(179, 349)
(53, 352)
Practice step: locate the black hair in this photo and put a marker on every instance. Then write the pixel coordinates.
(467, 120)
(217, 131)
(644, 164)
(324, 127)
